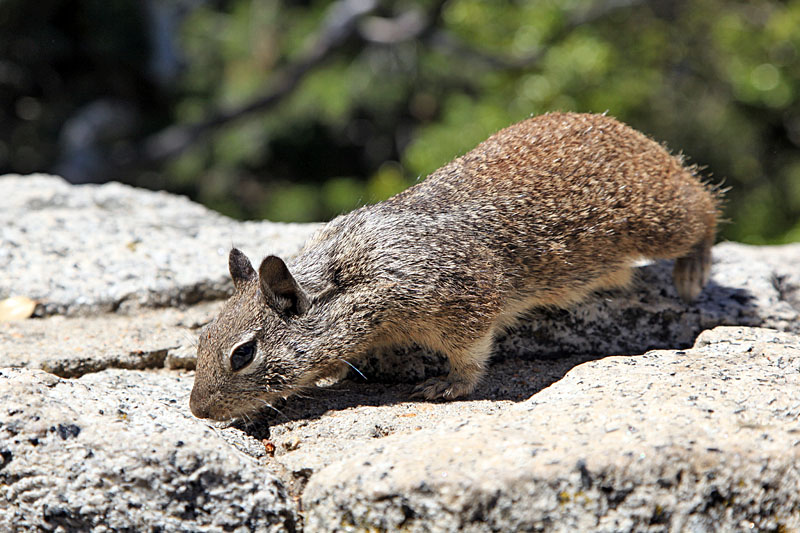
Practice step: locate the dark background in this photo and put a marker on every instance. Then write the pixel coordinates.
(300, 110)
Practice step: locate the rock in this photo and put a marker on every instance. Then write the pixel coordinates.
(564, 433)
(71, 347)
(757, 286)
(706, 439)
(329, 424)
(699, 439)
(103, 455)
(93, 248)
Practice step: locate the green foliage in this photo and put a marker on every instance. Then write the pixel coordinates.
(717, 80)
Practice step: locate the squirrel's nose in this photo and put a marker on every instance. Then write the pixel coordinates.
(197, 405)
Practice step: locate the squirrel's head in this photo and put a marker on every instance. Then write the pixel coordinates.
(255, 351)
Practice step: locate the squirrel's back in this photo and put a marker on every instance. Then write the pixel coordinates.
(572, 176)
(556, 205)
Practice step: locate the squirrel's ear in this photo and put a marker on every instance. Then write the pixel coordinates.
(240, 268)
(279, 287)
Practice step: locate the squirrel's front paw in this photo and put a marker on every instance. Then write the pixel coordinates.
(446, 387)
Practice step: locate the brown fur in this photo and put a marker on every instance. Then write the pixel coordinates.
(542, 213)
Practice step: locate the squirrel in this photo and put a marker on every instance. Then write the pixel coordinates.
(542, 213)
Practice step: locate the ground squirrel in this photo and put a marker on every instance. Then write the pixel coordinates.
(540, 214)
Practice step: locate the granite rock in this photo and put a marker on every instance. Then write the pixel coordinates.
(706, 439)
(73, 346)
(575, 427)
(750, 285)
(93, 248)
(114, 454)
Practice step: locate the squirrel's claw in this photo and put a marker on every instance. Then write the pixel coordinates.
(442, 387)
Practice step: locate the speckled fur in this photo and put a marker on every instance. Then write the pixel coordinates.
(542, 213)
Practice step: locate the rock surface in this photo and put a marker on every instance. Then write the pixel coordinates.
(110, 247)
(705, 439)
(70, 346)
(565, 433)
(117, 455)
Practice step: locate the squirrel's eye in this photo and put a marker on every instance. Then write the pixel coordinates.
(242, 355)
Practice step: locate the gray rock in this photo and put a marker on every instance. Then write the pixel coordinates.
(706, 439)
(71, 347)
(92, 248)
(556, 437)
(113, 248)
(116, 454)
(756, 286)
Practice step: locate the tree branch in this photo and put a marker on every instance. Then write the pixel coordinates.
(412, 24)
(339, 26)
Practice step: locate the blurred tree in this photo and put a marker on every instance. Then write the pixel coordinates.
(300, 110)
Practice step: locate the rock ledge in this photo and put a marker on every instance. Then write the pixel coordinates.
(632, 412)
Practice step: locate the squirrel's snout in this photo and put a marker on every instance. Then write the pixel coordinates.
(197, 405)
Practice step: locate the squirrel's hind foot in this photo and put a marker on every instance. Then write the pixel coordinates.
(692, 271)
